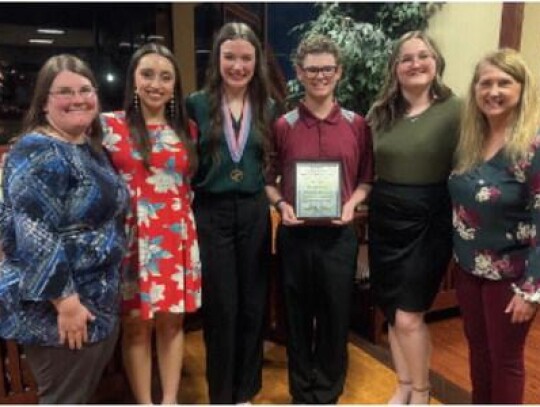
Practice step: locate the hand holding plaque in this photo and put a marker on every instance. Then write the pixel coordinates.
(318, 190)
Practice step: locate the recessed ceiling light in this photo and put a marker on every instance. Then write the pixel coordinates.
(40, 41)
(52, 31)
(155, 37)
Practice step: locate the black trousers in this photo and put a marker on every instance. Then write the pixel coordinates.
(318, 265)
(234, 238)
(66, 376)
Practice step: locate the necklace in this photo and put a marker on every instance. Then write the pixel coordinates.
(414, 114)
(53, 132)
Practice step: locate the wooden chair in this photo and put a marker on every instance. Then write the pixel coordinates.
(17, 385)
(275, 326)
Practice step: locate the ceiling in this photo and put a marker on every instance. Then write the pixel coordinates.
(19, 35)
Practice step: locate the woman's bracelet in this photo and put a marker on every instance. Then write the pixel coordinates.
(532, 298)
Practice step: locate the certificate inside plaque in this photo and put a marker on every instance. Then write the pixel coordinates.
(318, 190)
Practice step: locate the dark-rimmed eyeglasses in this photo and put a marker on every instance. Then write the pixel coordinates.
(67, 94)
(313, 71)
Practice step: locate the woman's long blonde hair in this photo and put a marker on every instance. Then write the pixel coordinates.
(524, 123)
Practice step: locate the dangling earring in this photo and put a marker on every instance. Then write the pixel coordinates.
(136, 102)
(172, 110)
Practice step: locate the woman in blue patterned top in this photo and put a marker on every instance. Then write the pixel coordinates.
(495, 190)
(61, 223)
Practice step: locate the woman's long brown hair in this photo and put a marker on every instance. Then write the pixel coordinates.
(176, 115)
(258, 89)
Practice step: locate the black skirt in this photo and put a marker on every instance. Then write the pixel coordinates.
(410, 245)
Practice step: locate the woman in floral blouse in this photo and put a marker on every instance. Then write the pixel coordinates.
(495, 190)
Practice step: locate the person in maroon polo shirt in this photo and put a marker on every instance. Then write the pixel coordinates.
(318, 259)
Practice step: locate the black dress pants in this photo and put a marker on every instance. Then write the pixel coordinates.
(66, 376)
(318, 265)
(234, 238)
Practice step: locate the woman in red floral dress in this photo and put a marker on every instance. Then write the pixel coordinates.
(150, 147)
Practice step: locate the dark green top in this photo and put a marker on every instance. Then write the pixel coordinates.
(496, 219)
(419, 150)
(216, 177)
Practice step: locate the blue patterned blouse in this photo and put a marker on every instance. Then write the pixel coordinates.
(61, 225)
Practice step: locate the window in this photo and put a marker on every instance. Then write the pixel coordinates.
(104, 35)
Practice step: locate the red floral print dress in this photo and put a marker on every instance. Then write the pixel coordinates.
(161, 271)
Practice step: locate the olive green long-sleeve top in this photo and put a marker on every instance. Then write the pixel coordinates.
(419, 150)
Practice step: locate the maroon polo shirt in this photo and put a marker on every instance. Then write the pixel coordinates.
(343, 135)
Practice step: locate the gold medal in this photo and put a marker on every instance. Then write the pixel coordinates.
(237, 175)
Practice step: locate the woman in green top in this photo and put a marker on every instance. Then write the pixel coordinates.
(415, 122)
(233, 114)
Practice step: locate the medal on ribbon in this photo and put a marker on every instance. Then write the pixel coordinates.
(237, 175)
(236, 145)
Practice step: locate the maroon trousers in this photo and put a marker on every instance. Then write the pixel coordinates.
(496, 345)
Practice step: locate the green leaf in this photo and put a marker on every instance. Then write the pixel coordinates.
(365, 32)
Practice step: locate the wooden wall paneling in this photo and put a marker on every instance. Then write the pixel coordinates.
(511, 25)
(14, 367)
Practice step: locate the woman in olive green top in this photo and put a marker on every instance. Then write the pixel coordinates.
(231, 210)
(415, 123)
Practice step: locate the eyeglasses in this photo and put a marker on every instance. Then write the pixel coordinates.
(67, 94)
(409, 58)
(313, 71)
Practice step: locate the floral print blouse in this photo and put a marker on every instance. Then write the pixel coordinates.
(496, 213)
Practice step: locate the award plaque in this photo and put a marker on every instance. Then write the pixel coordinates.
(318, 189)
